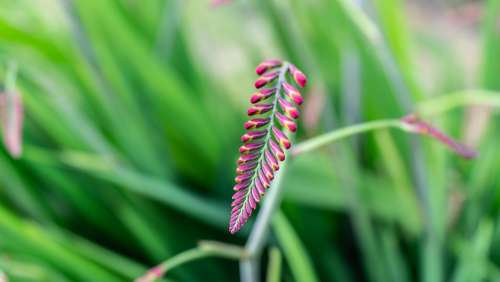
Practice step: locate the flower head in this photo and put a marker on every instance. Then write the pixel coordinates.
(266, 142)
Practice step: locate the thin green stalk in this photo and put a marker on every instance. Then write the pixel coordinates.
(338, 134)
(204, 249)
(431, 107)
(295, 252)
(274, 266)
(441, 104)
(256, 241)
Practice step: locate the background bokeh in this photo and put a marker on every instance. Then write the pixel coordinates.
(134, 108)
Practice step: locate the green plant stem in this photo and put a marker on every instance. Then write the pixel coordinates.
(432, 107)
(441, 104)
(338, 134)
(204, 249)
(274, 266)
(256, 241)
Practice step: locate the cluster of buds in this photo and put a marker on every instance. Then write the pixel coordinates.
(413, 124)
(267, 138)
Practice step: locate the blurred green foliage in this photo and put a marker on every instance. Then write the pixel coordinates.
(133, 116)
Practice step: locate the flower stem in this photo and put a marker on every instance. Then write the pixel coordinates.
(338, 134)
(204, 249)
(256, 241)
(444, 103)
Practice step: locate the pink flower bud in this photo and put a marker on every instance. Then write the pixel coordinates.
(266, 65)
(261, 95)
(292, 93)
(265, 79)
(271, 161)
(243, 177)
(250, 147)
(253, 135)
(268, 172)
(245, 167)
(286, 122)
(281, 138)
(288, 108)
(275, 148)
(298, 76)
(247, 158)
(259, 109)
(263, 180)
(256, 123)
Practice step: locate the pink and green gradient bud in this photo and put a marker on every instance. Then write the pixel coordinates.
(260, 109)
(256, 123)
(281, 138)
(262, 95)
(292, 93)
(265, 79)
(298, 76)
(289, 109)
(250, 147)
(247, 158)
(286, 122)
(253, 135)
(277, 152)
(243, 168)
(243, 177)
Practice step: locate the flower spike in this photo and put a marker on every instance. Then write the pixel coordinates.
(266, 142)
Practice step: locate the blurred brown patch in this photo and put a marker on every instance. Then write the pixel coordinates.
(313, 107)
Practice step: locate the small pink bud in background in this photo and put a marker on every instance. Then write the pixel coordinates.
(153, 274)
(413, 124)
(216, 3)
(266, 65)
(12, 116)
